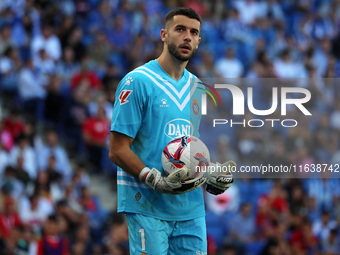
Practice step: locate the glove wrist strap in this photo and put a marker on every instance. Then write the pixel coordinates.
(143, 174)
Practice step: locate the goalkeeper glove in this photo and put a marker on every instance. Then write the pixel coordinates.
(173, 183)
(220, 178)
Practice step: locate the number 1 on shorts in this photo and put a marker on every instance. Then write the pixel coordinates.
(142, 236)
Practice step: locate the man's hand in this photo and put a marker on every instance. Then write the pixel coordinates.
(220, 178)
(173, 183)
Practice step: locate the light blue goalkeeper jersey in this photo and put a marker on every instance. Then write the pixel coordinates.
(154, 108)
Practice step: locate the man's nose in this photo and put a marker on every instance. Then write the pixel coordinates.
(188, 36)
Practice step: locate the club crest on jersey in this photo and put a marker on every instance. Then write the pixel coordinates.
(178, 127)
(128, 80)
(124, 95)
(195, 107)
(164, 104)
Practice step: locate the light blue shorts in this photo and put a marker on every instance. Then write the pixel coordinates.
(150, 236)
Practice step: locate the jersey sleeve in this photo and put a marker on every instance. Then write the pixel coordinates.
(128, 110)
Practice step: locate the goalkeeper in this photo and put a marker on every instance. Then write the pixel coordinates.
(163, 216)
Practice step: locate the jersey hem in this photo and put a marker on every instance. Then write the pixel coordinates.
(161, 218)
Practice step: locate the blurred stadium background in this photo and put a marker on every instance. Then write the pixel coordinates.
(60, 63)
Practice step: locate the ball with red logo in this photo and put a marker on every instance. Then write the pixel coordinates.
(186, 151)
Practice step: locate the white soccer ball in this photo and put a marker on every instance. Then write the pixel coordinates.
(189, 151)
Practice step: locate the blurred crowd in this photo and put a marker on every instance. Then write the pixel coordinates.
(60, 64)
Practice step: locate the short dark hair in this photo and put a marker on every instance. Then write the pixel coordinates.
(53, 218)
(188, 12)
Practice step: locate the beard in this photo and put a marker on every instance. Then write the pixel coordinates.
(177, 55)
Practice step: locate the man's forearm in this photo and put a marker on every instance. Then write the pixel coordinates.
(128, 161)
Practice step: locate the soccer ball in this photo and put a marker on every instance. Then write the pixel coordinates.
(189, 151)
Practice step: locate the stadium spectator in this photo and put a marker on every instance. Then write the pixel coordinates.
(82, 177)
(322, 227)
(249, 11)
(302, 238)
(242, 229)
(229, 66)
(77, 112)
(100, 18)
(199, 6)
(4, 158)
(335, 117)
(6, 138)
(14, 125)
(9, 183)
(32, 213)
(54, 106)
(110, 78)
(24, 29)
(100, 50)
(286, 67)
(52, 148)
(119, 35)
(9, 65)
(9, 217)
(69, 218)
(31, 86)
(101, 101)
(5, 38)
(207, 69)
(234, 30)
(65, 31)
(71, 197)
(20, 173)
(66, 69)
(47, 41)
(74, 41)
(116, 238)
(51, 242)
(86, 78)
(43, 63)
(331, 245)
(52, 172)
(26, 243)
(228, 249)
(30, 132)
(82, 244)
(325, 139)
(93, 209)
(245, 221)
(95, 132)
(23, 153)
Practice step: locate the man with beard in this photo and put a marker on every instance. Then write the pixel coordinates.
(155, 103)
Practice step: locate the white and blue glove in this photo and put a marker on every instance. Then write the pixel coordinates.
(173, 183)
(220, 178)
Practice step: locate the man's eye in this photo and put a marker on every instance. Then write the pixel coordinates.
(180, 29)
